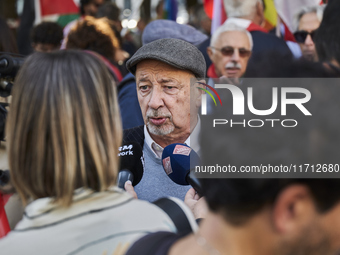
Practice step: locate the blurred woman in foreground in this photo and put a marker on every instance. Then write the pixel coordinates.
(63, 134)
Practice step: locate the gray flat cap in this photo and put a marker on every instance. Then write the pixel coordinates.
(162, 28)
(174, 52)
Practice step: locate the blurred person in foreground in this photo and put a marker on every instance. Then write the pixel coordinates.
(307, 22)
(96, 35)
(47, 36)
(63, 134)
(13, 207)
(260, 216)
(230, 50)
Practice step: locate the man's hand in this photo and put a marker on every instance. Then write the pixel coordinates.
(129, 189)
(196, 204)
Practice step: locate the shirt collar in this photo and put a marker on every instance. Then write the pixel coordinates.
(191, 141)
(211, 72)
(45, 205)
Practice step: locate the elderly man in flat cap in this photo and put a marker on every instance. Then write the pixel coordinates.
(155, 30)
(169, 103)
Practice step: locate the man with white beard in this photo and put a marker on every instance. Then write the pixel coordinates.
(169, 102)
(230, 49)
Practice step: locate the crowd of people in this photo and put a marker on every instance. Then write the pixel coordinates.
(86, 94)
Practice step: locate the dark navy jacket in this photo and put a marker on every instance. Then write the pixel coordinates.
(128, 103)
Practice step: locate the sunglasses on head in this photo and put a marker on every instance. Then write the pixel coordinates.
(300, 36)
(229, 51)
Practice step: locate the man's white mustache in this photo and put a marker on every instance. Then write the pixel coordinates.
(157, 114)
(233, 65)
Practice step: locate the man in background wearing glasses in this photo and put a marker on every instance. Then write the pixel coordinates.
(230, 49)
(307, 22)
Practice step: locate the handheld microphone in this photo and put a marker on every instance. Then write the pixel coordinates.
(176, 159)
(9, 66)
(131, 164)
(4, 177)
(5, 88)
(5, 184)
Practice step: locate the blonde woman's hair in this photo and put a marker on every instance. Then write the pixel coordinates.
(63, 128)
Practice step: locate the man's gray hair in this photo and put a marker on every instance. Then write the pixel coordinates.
(318, 9)
(229, 27)
(240, 8)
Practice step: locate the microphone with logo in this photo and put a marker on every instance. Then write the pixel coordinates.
(131, 164)
(178, 159)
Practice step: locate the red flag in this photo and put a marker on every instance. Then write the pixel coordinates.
(208, 7)
(4, 225)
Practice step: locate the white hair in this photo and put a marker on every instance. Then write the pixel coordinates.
(227, 28)
(240, 8)
(317, 9)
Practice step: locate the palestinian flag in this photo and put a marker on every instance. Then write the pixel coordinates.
(61, 11)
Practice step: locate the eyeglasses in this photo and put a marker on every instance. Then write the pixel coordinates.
(229, 51)
(300, 36)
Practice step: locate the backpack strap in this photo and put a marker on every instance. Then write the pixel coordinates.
(157, 243)
(179, 214)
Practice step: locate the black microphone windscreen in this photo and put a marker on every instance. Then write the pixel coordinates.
(131, 158)
(9, 65)
(3, 63)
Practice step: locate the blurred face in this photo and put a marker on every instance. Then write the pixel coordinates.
(92, 8)
(319, 235)
(308, 24)
(164, 98)
(45, 47)
(230, 54)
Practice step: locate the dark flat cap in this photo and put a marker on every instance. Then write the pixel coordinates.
(175, 52)
(162, 28)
